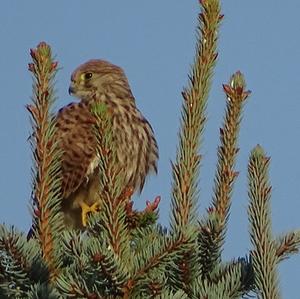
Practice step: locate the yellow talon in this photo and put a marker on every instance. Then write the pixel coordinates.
(87, 209)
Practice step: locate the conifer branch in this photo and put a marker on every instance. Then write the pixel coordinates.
(228, 271)
(14, 264)
(186, 168)
(100, 270)
(110, 271)
(227, 151)
(73, 246)
(212, 230)
(159, 256)
(43, 291)
(46, 181)
(75, 287)
(138, 219)
(264, 254)
(209, 255)
(113, 196)
(230, 280)
(20, 263)
(287, 244)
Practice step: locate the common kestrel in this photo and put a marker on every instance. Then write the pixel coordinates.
(98, 81)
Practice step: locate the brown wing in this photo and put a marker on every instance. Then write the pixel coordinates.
(77, 140)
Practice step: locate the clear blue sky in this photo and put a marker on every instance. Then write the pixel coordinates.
(154, 42)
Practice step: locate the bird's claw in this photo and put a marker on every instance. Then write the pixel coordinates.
(85, 209)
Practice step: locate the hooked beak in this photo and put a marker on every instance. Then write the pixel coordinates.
(71, 90)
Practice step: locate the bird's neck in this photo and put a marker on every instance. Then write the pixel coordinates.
(113, 102)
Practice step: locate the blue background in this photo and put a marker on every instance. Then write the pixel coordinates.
(154, 42)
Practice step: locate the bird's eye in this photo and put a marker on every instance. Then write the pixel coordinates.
(88, 76)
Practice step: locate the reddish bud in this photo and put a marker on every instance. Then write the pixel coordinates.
(239, 90)
(157, 200)
(151, 207)
(97, 257)
(227, 89)
(37, 212)
(221, 17)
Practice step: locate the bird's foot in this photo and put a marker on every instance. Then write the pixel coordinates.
(85, 209)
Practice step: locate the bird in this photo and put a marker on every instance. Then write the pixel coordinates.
(99, 81)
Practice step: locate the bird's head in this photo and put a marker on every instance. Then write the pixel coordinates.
(96, 77)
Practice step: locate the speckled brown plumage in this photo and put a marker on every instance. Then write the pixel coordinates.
(74, 124)
(137, 152)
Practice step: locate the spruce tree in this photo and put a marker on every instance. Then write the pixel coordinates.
(124, 253)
